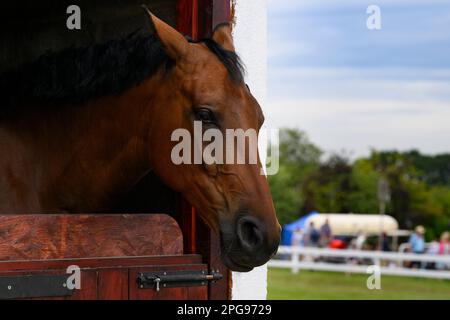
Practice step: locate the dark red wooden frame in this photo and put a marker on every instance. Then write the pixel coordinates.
(197, 19)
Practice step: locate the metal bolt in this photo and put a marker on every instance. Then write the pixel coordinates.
(64, 285)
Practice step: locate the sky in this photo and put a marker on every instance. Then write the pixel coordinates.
(352, 89)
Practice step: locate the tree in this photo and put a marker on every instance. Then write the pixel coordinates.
(327, 188)
(364, 180)
(434, 170)
(298, 157)
(419, 184)
(416, 194)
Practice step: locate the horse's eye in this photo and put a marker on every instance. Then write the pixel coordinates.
(205, 115)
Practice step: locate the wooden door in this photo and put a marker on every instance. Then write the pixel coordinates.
(111, 252)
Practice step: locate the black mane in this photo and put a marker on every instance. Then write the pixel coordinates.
(76, 75)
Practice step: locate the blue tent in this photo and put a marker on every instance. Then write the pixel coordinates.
(288, 229)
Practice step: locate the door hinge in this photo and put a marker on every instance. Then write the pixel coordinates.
(34, 286)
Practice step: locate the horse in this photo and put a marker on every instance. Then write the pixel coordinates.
(79, 128)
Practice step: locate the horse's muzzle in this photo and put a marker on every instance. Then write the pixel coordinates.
(247, 243)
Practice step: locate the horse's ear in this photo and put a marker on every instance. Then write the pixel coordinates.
(223, 36)
(176, 46)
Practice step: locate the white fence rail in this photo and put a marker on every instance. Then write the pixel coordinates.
(390, 263)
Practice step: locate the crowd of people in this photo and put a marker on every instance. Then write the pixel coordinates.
(439, 246)
(313, 237)
(322, 237)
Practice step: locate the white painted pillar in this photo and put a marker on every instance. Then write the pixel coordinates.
(250, 38)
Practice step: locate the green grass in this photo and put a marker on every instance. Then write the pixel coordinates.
(312, 285)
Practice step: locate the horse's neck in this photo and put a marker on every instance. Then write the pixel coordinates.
(79, 158)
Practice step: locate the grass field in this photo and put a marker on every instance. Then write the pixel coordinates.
(311, 285)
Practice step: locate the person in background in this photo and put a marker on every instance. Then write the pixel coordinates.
(444, 249)
(325, 234)
(360, 240)
(297, 238)
(433, 249)
(312, 235)
(417, 244)
(444, 244)
(385, 246)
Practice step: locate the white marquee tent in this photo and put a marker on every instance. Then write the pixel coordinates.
(352, 224)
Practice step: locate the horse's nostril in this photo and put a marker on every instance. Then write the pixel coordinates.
(249, 233)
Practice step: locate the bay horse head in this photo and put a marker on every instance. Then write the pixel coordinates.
(80, 127)
(206, 86)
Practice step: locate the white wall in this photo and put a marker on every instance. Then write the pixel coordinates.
(250, 38)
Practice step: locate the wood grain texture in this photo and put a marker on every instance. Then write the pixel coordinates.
(113, 284)
(186, 218)
(34, 237)
(99, 263)
(198, 18)
(187, 11)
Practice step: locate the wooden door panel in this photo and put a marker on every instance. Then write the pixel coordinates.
(120, 283)
(164, 294)
(197, 293)
(88, 289)
(113, 284)
(60, 236)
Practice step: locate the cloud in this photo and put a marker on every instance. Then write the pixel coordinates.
(416, 84)
(325, 34)
(357, 125)
(352, 88)
(282, 6)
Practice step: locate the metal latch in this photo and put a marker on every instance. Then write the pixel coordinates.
(181, 278)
